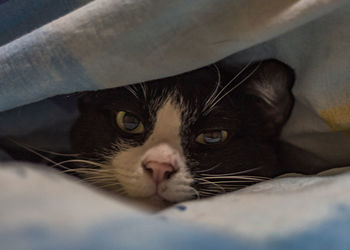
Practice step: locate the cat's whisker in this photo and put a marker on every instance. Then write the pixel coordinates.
(226, 187)
(215, 95)
(80, 161)
(206, 193)
(209, 169)
(236, 86)
(212, 96)
(131, 90)
(232, 185)
(236, 181)
(99, 179)
(230, 174)
(87, 170)
(234, 188)
(99, 184)
(109, 185)
(209, 194)
(213, 102)
(254, 178)
(38, 154)
(26, 146)
(96, 173)
(103, 183)
(144, 91)
(213, 188)
(214, 191)
(204, 181)
(195, 192)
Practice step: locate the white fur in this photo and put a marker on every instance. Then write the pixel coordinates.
(164, 144)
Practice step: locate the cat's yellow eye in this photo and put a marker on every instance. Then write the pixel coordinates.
(212, 137)
(129, 123)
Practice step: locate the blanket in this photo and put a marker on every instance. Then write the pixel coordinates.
(41, 209)
(50, 48)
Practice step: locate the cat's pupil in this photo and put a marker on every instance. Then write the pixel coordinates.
(213, 137)
(130, 122)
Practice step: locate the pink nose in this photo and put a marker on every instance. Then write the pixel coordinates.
(160, 171)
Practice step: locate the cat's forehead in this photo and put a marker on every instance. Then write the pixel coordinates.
(190, 93)
(187, 91)
(193, 86)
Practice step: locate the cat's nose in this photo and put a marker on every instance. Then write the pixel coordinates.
(160, 171)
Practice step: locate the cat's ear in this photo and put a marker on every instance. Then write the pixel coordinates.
(271, 84)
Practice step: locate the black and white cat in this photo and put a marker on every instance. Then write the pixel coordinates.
(194, 135)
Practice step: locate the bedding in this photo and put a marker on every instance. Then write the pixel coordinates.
(42, 209)
(50, 48)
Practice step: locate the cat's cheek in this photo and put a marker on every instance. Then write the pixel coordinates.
(178, 188)
(139, 188)
(128, 172)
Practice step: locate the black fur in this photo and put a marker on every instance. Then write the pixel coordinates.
(253, 114)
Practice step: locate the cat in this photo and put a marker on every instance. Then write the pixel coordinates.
(202, 133)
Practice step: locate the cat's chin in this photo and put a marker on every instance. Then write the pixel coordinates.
(153, 203)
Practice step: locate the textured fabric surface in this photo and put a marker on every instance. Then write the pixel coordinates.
(54, 48)
(49, 48)
(103, 43)
(43, 210)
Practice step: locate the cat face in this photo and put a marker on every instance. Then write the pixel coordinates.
(195, 135)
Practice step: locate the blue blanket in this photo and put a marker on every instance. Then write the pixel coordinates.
(41, 209)
(48, 48)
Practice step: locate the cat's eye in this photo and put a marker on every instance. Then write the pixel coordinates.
(129, 123)
(212, 137)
